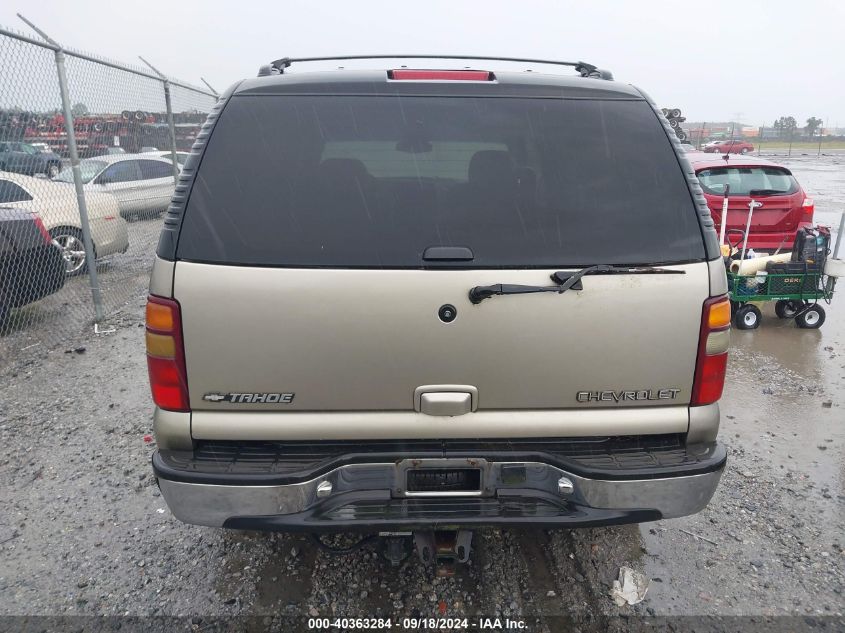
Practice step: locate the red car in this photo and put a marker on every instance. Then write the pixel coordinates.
(781, 208)
(736, 146)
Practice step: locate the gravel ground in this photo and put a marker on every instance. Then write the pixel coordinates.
(83, 529)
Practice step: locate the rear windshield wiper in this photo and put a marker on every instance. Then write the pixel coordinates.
(564, 280)
(765, 192)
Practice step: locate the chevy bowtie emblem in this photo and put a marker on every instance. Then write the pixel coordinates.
(250, 398)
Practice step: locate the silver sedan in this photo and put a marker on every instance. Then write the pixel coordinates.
(142, 183)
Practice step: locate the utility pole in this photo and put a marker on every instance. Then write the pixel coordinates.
(820, 138)
(737, 120)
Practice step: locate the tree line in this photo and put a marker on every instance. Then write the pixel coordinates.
(786, 126)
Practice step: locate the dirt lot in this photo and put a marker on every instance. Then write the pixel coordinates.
(83, 529)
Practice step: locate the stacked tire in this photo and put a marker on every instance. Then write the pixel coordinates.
(675, 119)
(139, 116)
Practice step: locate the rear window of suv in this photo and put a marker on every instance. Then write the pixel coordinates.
(358, 181)
(744, 180)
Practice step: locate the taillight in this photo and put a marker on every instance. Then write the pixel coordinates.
(44, 232)
(442, 75)
(808, 208)
(713, 343)
(166, 354)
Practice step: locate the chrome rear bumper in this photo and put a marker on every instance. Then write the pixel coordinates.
(371, 495)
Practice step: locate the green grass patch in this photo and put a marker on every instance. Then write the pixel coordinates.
(800, 145)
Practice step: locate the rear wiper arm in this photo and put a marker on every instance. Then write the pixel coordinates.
(480, 293)
(564, 280)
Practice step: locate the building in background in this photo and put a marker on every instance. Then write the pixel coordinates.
(702, 131)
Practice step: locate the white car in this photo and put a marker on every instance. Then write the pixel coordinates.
(181, 157)
(56, 204)
(142, 183)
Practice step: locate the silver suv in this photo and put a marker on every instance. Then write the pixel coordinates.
(406, 299)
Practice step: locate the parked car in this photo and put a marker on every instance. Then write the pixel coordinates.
(31, 267)
(142, 183)
(57, 206)
(403, 302)
(24, 158)
(735, 146)
(181, 157)
(782, 205)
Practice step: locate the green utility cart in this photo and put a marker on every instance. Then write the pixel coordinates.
(797, 295)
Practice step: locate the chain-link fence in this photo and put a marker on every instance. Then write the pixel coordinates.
(87, 149)
(773, 141)
(768, 140)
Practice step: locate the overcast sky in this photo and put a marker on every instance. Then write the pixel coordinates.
(716, 60)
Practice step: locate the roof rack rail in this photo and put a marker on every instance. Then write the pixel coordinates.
(278, 66)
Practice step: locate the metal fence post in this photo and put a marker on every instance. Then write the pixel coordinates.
(170, 123)
(839, 236)
(172, 126)
(96, 295)
(216, 94)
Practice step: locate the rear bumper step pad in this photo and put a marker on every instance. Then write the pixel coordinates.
(276, 463)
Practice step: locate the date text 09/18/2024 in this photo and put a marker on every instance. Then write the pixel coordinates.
(417, 624)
